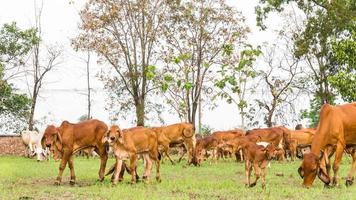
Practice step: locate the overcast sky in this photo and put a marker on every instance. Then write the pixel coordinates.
(63, 97)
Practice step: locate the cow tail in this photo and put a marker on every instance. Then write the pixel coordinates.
(159, 156)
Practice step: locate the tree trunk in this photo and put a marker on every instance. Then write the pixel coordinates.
(88, 84)
(242, 114)
(194, 112)
(32, 112)
(140, 111)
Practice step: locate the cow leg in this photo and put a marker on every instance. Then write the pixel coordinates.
(145, 164)
(62, 166)
(248, 168)
(182, 153)
(71, 167)
(264, 173)
(103, 159)
(166, 149)
(350, 175)
(133, 160)
(158, 175)
(148, 168)
(117, 171)
(241, 155)
(337, 161)
(257, 174)
(190, 148)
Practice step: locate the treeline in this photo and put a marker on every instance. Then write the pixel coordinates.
(193, 53)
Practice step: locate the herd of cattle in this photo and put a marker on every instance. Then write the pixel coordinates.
(335, 133)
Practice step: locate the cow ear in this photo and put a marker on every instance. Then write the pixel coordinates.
(301, 172)
(104, 139)
(43, 142)
(58, 141)
(323, 177)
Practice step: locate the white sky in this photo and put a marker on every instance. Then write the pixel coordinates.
(59, 98)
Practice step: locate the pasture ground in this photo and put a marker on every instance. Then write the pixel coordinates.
(22, 178)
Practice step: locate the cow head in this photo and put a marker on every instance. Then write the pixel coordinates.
(113, 135)
(310, 168)
(52, 139)
(199, 155)
(270, 151)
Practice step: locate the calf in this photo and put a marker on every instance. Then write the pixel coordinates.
(70, 138)
(177, 134)
(128, 144)
(256, 156)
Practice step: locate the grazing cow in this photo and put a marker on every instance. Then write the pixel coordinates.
(203, 146)
(70, 138)
(278, 136)
(216, 142)
(256, 156)
(127, 144)
(300, 139)
(32, 139)
(337, 127)
(176, 134)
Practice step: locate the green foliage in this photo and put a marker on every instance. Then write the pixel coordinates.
(15, 43)
(150, 72)
(206, 130)
(345, 79)
(313, 113)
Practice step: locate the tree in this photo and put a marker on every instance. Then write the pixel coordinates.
(40, 66)
(281, 77)
(345, 79)
(324, 20)
(125, 34)
(235, 77)
(14, 46)
(197, 34)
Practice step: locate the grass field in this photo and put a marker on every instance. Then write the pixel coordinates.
(22, 178)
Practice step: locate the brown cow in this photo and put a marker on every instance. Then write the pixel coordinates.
(128, 144)
(176, 133)
(256, 156)
(70, 138)
(300, 139)
(278, 136)
(337, 126)
(216, 142)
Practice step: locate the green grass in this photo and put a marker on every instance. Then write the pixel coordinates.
(27, 179)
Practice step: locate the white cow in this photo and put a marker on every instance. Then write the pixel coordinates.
(32, 140)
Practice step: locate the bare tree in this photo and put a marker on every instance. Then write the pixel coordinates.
(197, 33)
(39, 66)
(125, 34)
(281, 81)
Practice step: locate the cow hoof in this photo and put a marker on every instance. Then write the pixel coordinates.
(72, 182)
(252, 185)
(57, 183)
(158, 179)
(349, 183)
(144, 177)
